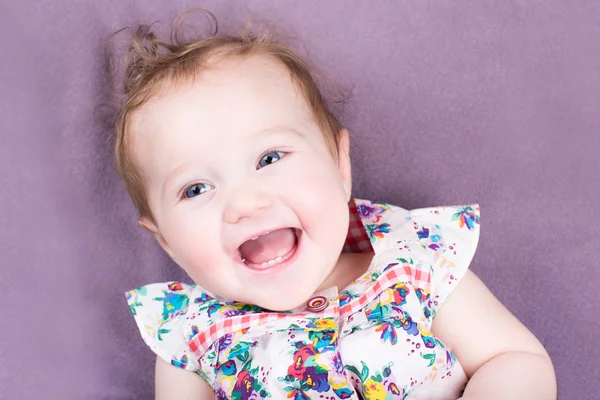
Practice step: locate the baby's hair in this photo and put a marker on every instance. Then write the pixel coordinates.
(153, 64)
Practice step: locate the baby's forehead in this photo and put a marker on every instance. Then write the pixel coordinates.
(256, 89)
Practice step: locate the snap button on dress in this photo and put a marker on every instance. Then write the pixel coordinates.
(316, 304)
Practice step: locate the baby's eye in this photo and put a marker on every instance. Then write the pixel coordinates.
(270, 158)
(197, 189)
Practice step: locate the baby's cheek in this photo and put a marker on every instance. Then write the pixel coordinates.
(317, 181)
(202, 268)
(195, 252)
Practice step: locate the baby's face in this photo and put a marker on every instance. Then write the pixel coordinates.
(234, 156)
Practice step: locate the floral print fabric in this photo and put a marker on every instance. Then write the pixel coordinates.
(372, 341)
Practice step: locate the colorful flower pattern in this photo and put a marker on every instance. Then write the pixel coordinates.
(314, 367)
(356, 355)
(379, 385)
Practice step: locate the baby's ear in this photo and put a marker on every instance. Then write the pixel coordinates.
(344, 164)
(151, 227)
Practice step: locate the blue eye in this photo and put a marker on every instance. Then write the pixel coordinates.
(197, 189)
(270, 158)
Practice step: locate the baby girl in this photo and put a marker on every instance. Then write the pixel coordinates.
(243, 175)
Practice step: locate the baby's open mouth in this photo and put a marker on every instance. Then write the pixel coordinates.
(269, 249)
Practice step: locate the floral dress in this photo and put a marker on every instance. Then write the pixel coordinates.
(371, 340)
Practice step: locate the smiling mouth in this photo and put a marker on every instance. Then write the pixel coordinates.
(270, 249)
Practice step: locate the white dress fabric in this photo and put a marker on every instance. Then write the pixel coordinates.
(371, 340)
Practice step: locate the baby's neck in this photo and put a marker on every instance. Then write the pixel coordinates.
(350, 266)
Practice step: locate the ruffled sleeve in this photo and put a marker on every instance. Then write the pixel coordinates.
(159, 310)
(449, 236)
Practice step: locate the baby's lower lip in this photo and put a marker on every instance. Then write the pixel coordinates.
(278, 263)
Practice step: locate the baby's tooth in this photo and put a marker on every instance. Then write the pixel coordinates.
(270, 263)
(254, 238)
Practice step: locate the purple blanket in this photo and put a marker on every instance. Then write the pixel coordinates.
(450, 102)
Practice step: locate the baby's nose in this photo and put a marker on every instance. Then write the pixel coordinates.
(245, 205)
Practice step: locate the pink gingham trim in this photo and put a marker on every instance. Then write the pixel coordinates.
(412, 274)
(357, 240)
(200, 343)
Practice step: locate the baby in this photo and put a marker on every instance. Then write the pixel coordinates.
(242, 174)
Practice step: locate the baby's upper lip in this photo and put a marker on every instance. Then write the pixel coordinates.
(236, 244)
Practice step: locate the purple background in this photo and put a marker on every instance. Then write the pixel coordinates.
(451, 102)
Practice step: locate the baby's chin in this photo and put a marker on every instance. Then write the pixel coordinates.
(280, 302)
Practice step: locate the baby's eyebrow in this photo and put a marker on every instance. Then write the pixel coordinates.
(276, 129)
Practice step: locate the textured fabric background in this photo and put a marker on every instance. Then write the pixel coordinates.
(450, 102)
